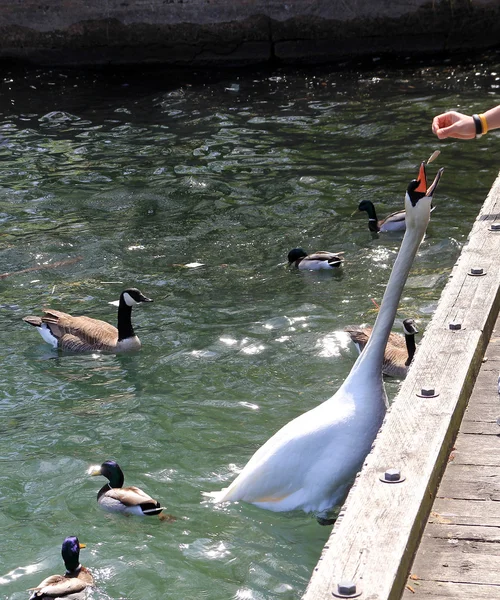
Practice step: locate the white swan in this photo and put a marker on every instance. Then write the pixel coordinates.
(310, 463)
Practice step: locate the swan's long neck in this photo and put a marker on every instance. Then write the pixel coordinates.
(370, 360)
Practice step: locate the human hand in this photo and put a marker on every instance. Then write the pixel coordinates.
(454, 124)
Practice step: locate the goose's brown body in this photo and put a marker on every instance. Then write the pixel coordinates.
(399, 350)
(85, 334)
(79, 334)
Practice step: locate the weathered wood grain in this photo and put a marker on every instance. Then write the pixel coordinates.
(453, 511)
(444, 590)
(452, 531)
(483, 412)
(468, 482)
(374, 541)
(478, 450)
(482, 427)
(464, 561)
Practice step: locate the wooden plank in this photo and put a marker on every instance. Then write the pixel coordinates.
(482, 413)
(464, 561)
(481, 427)
(374, 540)
(467, 482)
(445, 590)
(453, 511)
(460, 532)
(478, 450)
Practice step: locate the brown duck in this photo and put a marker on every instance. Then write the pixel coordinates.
(84, 334)
(73, 584)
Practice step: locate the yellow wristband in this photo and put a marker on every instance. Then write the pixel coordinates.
(484, 123)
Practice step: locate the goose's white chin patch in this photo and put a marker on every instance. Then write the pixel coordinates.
(47, 335)
(129, 301)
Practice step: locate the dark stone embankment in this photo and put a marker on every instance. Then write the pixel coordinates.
(222, 32)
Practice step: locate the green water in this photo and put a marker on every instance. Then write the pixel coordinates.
(136, 173)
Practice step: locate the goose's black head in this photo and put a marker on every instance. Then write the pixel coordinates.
(410, 327)
(297, 254)
(70, 552)
(133, 296)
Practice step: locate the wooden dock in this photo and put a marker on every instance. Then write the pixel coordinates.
(373, 552)
(459, 554)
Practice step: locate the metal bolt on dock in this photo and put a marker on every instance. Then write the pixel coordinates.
(347, 589)
(428, 392)
(392, 475)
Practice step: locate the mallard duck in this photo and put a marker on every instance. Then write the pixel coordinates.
(113, 497)
(399, 350)
(310, 463)
(73, 584)
(84, 334)
(314, 262)
(393, 222)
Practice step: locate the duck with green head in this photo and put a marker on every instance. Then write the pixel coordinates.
(113, 497)
(73, 584)
(298, 257)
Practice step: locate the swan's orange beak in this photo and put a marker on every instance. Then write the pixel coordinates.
(422, 179)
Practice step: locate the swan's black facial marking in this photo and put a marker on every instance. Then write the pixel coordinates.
(412, 192)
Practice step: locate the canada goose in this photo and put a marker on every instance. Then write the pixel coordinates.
(314, 262)
(310, 463)
(115, 498)
(399, 350)
(394, 222)
(72, 585)
(84, 334)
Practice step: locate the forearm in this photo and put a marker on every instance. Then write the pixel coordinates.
(492, 117)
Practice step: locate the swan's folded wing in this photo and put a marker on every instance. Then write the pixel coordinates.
(278, 469)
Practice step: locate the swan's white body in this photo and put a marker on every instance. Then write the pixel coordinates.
(310, 463)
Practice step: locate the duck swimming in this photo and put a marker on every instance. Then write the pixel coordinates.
(310, 463)
(399, 351)
(73, 584)
(393, 222)
(314, 262)
(113, 497)
(84, 334)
